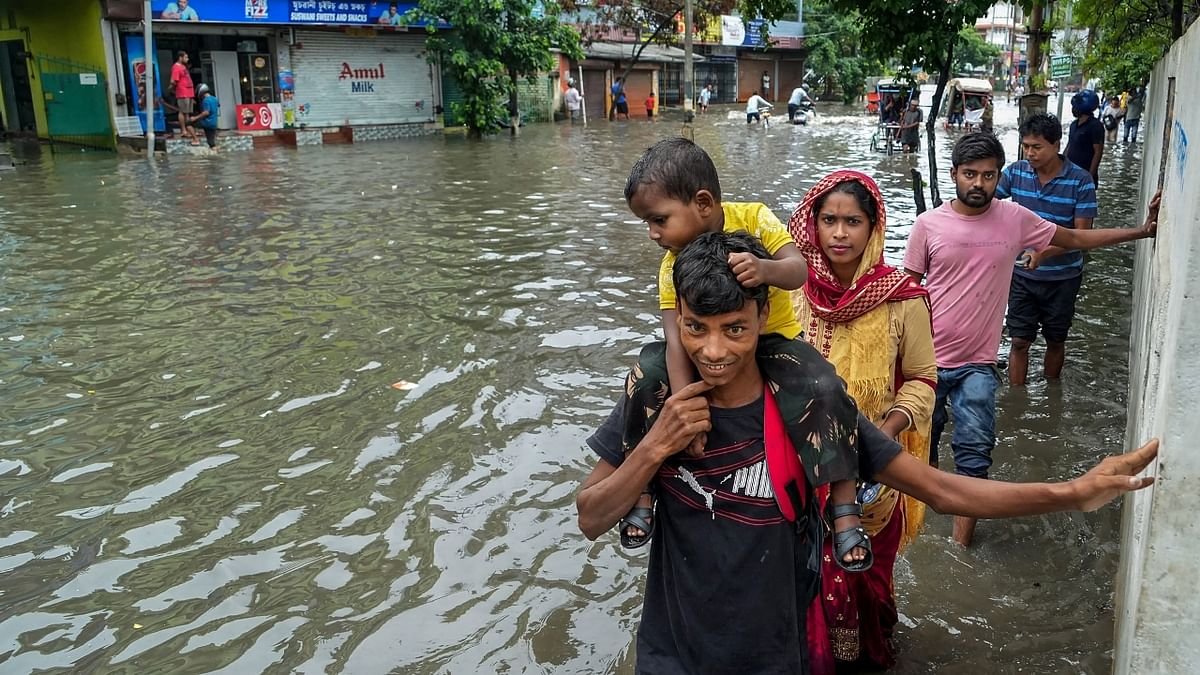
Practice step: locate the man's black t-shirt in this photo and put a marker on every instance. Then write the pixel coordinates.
(1080, 141)
(728, 583)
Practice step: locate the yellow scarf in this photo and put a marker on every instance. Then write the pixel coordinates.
(863, 359)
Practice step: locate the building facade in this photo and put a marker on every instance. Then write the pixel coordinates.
(53, 80)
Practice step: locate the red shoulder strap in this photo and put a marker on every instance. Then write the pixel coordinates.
(783, 462)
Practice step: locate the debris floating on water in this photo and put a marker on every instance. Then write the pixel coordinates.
(404, 385)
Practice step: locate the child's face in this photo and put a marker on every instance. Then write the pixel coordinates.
(673, 224)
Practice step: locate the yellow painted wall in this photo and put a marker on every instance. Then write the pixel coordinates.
(65, 29)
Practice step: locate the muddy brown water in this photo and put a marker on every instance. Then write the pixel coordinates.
(204, 466)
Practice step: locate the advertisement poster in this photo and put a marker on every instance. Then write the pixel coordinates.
(135, 45)
(327, 12)
(733, 31)
(259, 116)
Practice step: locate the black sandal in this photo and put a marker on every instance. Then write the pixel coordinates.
(642, 518)
(847, 540)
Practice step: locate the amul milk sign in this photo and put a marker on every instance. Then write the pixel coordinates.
(362, 80)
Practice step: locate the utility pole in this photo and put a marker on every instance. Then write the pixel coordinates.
(1034, 59)
(148, 104)
(689, 93)
(1067, 44)
(1012, 41)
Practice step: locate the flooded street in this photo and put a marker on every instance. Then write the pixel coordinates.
(204, 465)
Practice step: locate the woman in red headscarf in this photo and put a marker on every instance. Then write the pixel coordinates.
(872, 322)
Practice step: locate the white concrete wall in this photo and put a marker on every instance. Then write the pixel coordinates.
(1158, 591)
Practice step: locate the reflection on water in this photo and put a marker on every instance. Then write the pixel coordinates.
(204, 466)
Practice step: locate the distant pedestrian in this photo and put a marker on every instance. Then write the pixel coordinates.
(1133, 113)
(1085, 138)
(1045, 284)
(798, 98)
(620, 105)
(573, 99)
(910, 125)
(766, 85)
(705, 97)
(1111, 119)
(754, 107)
(650, 102)
(184, 92)
(210, 110)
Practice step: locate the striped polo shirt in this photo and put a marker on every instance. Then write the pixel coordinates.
(1069, 195)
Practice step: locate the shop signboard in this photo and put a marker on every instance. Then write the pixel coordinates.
(259, 116)
(753, 33)
(135, 45)
(733, 31)
(1060, 66)
(327, 12)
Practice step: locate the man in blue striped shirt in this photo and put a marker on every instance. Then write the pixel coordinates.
(1045, 285)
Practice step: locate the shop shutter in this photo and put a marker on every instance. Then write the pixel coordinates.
(372, 77)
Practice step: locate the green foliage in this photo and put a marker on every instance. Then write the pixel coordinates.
(491, 44)
(834, 55)
(1132, 36)
(972, 50)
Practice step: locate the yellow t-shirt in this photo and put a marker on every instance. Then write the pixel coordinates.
(758, 221)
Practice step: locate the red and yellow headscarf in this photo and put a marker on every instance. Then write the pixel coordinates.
(874, 282)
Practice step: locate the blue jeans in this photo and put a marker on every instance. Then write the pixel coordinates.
(971, 390)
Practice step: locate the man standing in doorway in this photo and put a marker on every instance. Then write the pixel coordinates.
(1045, 284)
(766, 85)
(181, 87)
(1085, 138)
(966, 248)
(573, 100)
(620, 105)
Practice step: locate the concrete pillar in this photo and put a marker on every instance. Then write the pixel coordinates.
(1158, 611)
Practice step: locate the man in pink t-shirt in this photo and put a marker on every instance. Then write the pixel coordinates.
(965, 249)
(185, 94)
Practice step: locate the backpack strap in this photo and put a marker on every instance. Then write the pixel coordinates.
(783, 463)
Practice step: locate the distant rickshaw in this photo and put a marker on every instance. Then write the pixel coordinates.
(891, 98)
(967, 99)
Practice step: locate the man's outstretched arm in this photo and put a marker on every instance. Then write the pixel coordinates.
(1069, 239)
(978, 498)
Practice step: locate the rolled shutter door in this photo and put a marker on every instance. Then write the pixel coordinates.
(376, 78)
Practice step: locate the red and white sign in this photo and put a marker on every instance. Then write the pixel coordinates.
(259, 116)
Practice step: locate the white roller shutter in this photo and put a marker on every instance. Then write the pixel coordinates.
(369, 78)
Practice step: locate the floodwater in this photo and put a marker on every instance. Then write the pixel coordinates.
(205, 466)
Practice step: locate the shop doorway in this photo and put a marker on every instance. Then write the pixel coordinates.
(76, 103)
(594, 93)
(19, 115)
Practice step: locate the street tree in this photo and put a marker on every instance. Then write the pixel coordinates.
(488, 47)
(1130, 36)
(920, 34)
(835, 57)
(972, 51)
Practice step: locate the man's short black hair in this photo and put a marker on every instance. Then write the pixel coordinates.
(679, 168)
(1042, 124)
(704, 280)
(976, 146)
(180, 54)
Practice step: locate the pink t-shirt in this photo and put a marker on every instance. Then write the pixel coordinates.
(183, 81)
(968, 266)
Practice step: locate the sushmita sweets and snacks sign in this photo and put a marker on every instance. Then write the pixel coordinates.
(327, 12)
